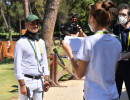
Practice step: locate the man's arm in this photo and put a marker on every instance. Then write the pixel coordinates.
(81, 33)
(23, 87)
(46, 83)
(46, 70)
(17, 68)
(45, 61)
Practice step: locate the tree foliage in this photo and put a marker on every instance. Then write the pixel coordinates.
(37, 7)
(118, 2)
(78, 8)
(66, 9)
(16, 12)
(3, 27)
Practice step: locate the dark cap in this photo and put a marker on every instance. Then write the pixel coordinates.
(31, 18)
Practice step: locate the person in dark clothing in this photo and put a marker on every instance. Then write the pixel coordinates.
(123, 31)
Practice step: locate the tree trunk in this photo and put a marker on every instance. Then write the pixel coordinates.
(4, 17)
(20, 27)
(38, 12)
(8, 18)
(48, 24)
(26, 9)
(30, 9)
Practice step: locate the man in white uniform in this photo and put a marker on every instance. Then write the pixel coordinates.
(30, 62)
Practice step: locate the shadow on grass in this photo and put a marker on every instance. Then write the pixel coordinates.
(7, 61)
(8, 68)
(14, 90)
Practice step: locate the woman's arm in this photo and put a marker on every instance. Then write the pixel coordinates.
(79, 69)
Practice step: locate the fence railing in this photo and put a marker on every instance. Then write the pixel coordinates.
(7, 49)
(54, 76)
(54, 63)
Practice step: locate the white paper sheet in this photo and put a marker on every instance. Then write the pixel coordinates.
(75, 43)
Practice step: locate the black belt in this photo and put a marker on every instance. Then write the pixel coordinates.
(34, 77)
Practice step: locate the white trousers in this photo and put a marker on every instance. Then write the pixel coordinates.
(36, 89)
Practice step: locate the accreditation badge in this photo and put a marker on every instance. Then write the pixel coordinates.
(41, 62)
(40, 65)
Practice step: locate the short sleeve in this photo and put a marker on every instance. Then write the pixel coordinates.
(84, 51)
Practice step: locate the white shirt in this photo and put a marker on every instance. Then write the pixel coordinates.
(25, 61)
(101, 51)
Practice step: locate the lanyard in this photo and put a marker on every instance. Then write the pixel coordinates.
(40, 47)
(128, 44)
(103, 32)
(34, 49)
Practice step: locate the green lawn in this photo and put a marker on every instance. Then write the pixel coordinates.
(12, 33)
(8, 83)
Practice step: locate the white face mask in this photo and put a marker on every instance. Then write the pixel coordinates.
(122, 19)
(90, 27)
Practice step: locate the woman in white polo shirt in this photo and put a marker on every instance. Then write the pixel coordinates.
(98, 56)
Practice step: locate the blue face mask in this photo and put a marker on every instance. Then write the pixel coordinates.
(90, 27)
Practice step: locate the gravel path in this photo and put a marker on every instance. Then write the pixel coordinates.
(72, 91)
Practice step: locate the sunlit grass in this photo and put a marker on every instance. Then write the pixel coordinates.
(8, 83)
